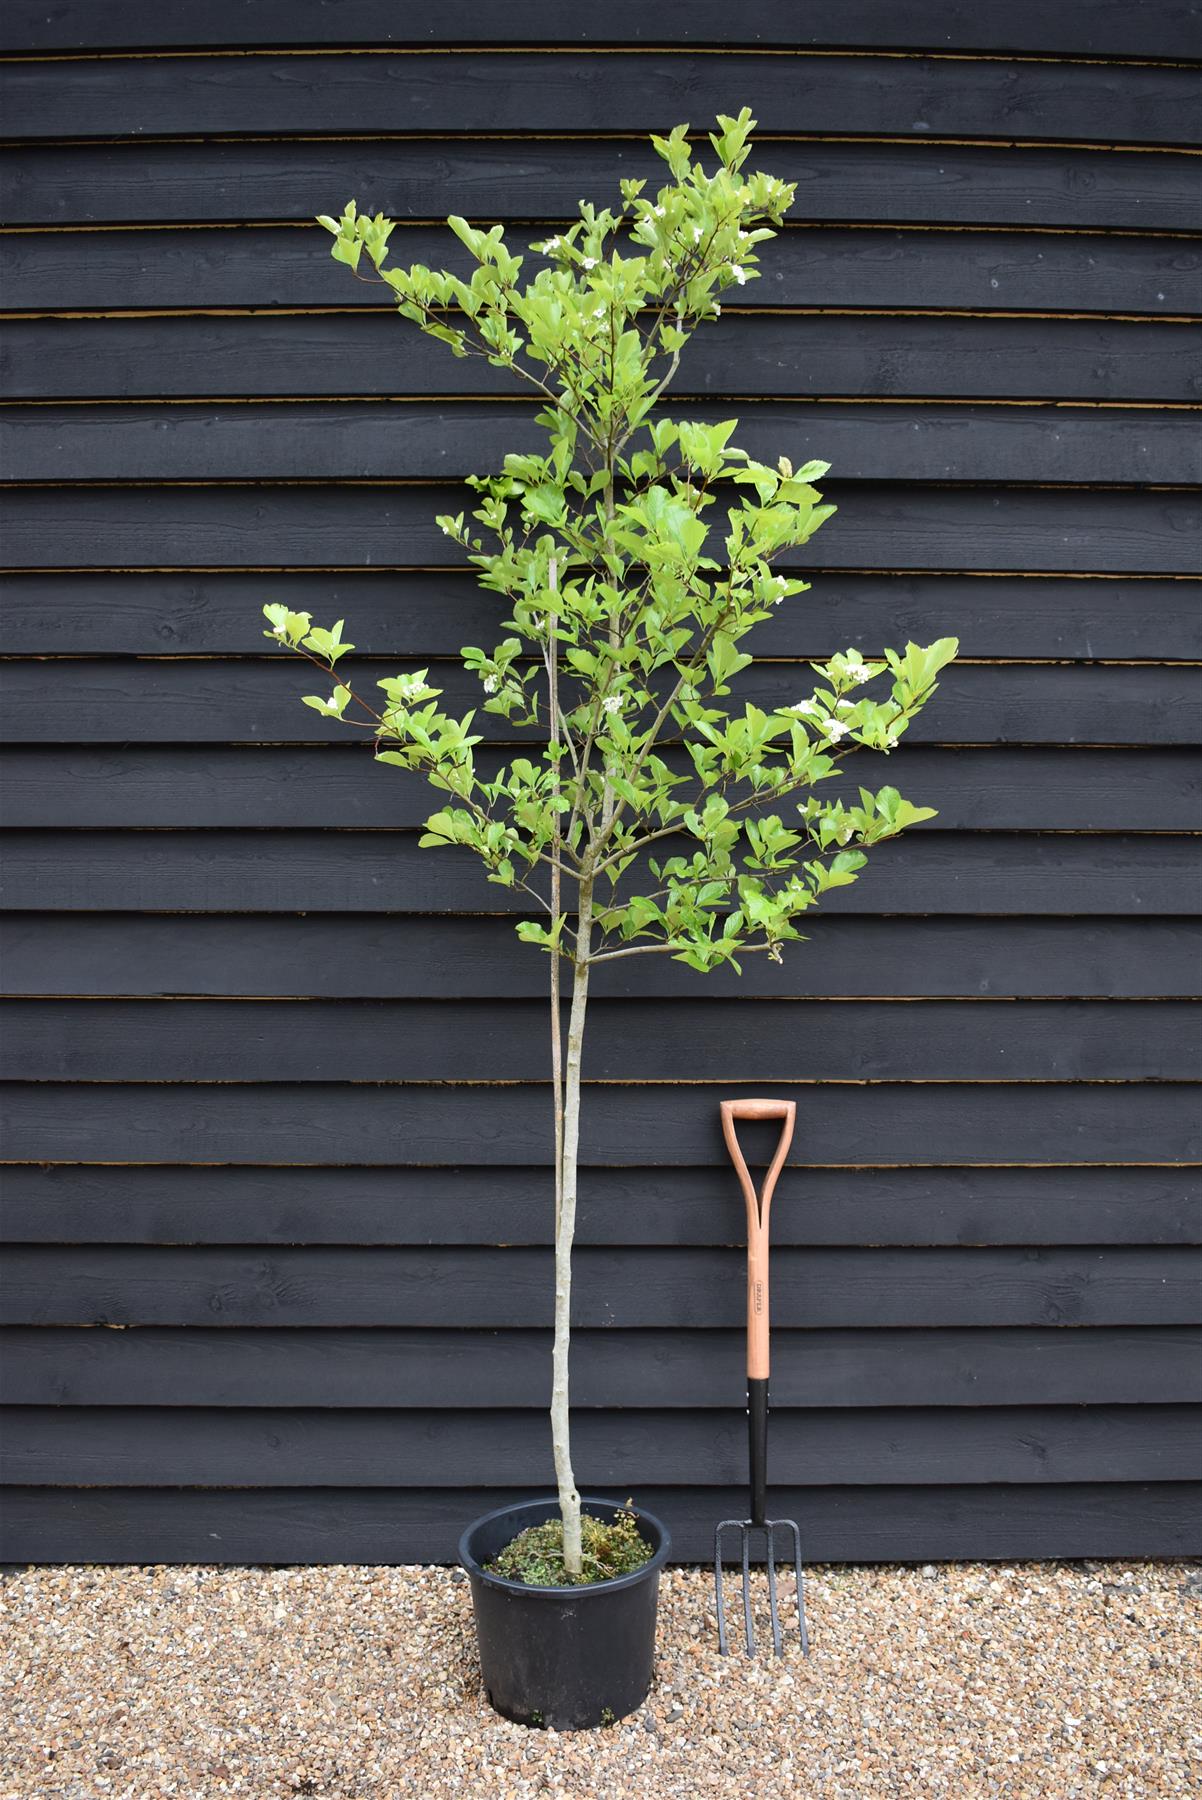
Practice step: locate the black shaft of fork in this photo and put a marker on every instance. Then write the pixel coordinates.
(757, 1444)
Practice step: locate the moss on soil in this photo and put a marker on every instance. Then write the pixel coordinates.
(610, 1549)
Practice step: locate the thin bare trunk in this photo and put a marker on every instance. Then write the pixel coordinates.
(556, 896)
(565, 1231)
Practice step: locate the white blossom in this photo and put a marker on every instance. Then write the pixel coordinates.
(891, 741)
(859, 672)
(552, 244)
(658, 211)
(612, 703)
(490, 684)
(845, 705)
(717, 309)
(590, 262)
(696, 234)
(834, 729)
(277, 631)
(739, 273)
(803, 706)
(599, 312)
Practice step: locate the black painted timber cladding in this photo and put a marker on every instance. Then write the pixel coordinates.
(277, 1284)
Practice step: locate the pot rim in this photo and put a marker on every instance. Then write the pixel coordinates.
(583, 1590)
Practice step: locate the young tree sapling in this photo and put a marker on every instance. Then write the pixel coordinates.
(647, 813)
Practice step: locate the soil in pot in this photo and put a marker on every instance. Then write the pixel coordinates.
(611, 1547)
(567, 1657)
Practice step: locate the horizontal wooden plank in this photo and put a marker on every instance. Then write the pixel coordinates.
(678, 1289)
(885, 525)
(614, 93)
(270, 788)
(422, 958)
(424, 615)
(259, 700)
(169, 1447)
(1161, 28)
(504, 178)
(807, 265)
(936, 1124)
(695, 1039)
(383, 440)
(882, 524)
(150, 1366)
(380, 872)
(684, 1207)
(386, 1525)
(831, 355)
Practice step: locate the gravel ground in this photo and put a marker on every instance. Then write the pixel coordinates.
(1048, 1679)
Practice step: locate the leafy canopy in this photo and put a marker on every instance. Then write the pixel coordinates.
(687, 824)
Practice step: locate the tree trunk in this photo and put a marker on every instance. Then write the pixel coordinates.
(565, 1231)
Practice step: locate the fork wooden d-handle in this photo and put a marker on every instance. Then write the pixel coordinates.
(758, 1206)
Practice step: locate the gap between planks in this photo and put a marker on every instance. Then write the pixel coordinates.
(777, 401)
(163, 140)
(743, 312)
(484, 48)
(538, 224)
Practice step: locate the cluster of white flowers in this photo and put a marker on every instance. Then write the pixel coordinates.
(696, 234)
(550, 245)
(780, 584)
(845, 705)
(590, 262)
(491, 684)
(277, 631)
(806, 707)
(658, 211)
(859, 672)
(739, 273)
(612, 703)
(834, 729)
(409, 685)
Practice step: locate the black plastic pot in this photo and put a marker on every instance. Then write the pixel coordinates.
(564, 1657)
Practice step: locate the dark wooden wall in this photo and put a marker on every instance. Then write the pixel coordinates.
(278, 1285)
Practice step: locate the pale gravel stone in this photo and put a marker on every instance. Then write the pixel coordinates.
(1035, 1682)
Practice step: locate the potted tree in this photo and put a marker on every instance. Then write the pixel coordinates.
(645, 816)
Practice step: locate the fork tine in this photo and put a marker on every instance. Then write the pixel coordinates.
(719, 1603)
(801, 1607)
(747, 1593)
(773, 1612)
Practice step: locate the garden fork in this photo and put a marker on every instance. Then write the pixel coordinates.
(757, 1378)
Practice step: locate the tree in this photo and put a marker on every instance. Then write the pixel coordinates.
(642, 821)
